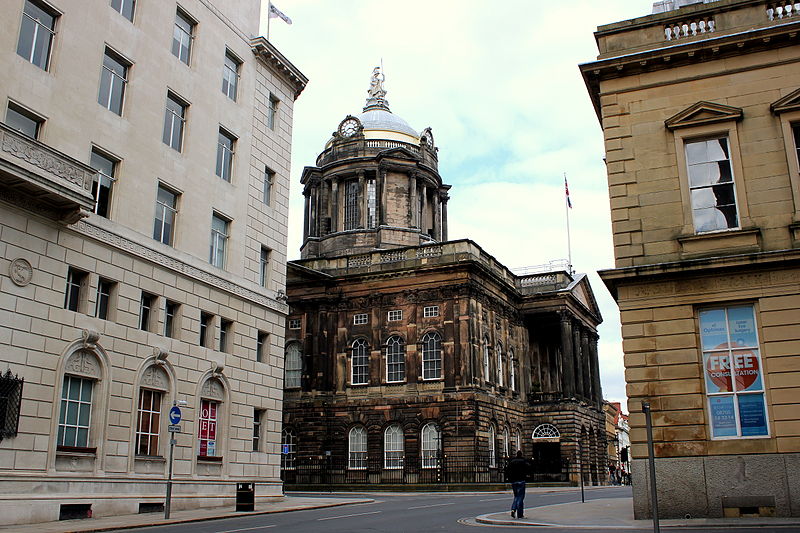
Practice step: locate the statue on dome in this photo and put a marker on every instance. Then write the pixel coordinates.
(376, 89)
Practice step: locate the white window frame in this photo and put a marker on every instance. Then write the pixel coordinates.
(164, 211)
(486, 362)
(174, 121)
(263, 266)
(431, 445)
(220, 232)
(430, 311)
(395, 359)
(288, 449)
(106, 167)
(272, 111)
(295, 323)
(269, 182)
(500, 365)
(182, 37)
(359, 362)
(152, 413)
(83, 409)
(492, 447)
(231, 66)
(226, 151)
(207, 421)
(120, 8)
(431, 356)
(394, 315)
(294, 366)
(49, 33)
(357, 448)
(360, 319)
(117, 83)
(393, 447)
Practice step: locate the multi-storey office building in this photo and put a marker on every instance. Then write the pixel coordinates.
(700, 108)
(144, 180)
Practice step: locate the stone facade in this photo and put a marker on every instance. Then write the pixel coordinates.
(107, 323)
(700, 110)
(392, 326)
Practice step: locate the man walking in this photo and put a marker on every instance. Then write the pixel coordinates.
(517, 472)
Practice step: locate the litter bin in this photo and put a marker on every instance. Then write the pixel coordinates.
(245, 496)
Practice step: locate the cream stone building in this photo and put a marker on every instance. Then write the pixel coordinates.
(144, 175)
(700, 109)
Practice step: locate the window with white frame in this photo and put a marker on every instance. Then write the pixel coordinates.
(166, 211)
(269, 181)
(431, 445)
(126, 8)
(36, 33)
(372, 204)
(230, 75)
(351, 204)
(517, 440)
(182, 36)
(486, 359)
(207, 428)
(225, 145)
(393, 447)
(359, 363)
(174, 121)
(148, 422)
(294, 366)
(272, 111)
(113, 81)
(711, 184)
(395, 359)
(219, 240)
(147, 303)
(395, 315)
(500, 365)
(76, 281)
(263, 266)
(106, 167)
(506, 442)
(357, 448)
(492, 447)
(360, 319)
(295, 323)
(430, 311)
(512, 370)
(76, 412)
(734, 375)
(431, 355)
(288, 449)
(24, 121)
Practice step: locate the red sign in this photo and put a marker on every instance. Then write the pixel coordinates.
(742, 364)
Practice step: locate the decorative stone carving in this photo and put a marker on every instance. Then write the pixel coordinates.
(83, 363)
(160, 354)
(31, 152)
(90, 338)
(155, 378)
(20, 271)
(213, 390)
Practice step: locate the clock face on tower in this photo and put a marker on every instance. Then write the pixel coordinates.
(349, 127)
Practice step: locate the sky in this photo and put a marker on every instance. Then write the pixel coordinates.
(499, 84)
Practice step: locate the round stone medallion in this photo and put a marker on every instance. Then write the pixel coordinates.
(20, 271)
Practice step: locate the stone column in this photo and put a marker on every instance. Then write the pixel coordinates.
(422, 218)
(334, 205)
(307, 212)
(580, 367)
(382, 203)
(362, 215)
(412, 199)
(445, 198)
(567, 356)
(437, 217)
(597, 387)
(588, 371)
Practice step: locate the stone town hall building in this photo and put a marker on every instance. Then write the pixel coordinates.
(407, 352)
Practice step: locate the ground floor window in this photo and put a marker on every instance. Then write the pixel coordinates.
(207, 434)
(76, 412)
(357, 456)
(733, 375)
(393, 447)
(288, 449)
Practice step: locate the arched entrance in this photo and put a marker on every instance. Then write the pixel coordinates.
(546, 449)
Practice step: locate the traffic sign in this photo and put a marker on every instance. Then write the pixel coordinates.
(174, 428)
(175, 414)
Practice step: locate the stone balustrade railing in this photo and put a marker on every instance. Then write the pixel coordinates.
(367, 147)
(689, 28)
(783, 10)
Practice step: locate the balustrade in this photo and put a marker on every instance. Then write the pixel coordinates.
(689, 28)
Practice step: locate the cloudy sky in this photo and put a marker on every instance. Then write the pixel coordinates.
(499, 84)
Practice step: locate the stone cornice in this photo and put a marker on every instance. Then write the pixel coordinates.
(271, 57)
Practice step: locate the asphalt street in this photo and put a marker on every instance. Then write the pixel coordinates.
(410, 512)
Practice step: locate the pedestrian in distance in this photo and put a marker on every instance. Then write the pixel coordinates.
(517, 473)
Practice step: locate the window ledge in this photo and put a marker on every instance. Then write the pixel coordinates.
(77, 451)
(209, 459)
(153, 458)
(720, 242)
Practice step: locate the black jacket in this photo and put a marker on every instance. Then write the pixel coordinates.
(517, 469)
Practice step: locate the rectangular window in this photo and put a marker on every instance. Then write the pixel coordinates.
(125, 8)
(76, 412)
(230, 75)
(105, 289)
(22, 120)
(36, 33)
(371, 204)
(225, 335)
(225, 142)
(219, 240)
(796, 133)
(106, 168)
(182, 36)
(396, 314)
(113, 79)
(360, 363)
(430, 311)
(206, 329)
(713, 195)
(258, 415)
(146, 304)
(360, 318)
(10, 403)
(262, 346)
(351, 198)
(148, 423)
(166, 209)
(76, 280)
(272, 111)
(263, 267)
(207, 428)
(174, 122)
(171, 310)
(294, 323)
(269, 180)
(733, 372)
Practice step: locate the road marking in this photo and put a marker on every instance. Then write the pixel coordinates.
(494, 499)
(347, 515)
(247, 529)
(432, 505)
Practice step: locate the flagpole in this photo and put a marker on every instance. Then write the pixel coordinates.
(269, 17)
(569, 241)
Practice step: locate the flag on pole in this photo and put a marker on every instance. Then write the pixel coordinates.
(274, 12)
(566, 191)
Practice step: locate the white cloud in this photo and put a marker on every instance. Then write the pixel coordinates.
(500, 86)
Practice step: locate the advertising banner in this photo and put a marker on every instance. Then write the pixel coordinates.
(723, 416)
(752, 417)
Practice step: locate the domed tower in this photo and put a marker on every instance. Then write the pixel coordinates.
(375, 186)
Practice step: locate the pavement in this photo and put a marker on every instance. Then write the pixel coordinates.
(592, 515)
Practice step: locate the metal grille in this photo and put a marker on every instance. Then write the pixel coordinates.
(10, 401)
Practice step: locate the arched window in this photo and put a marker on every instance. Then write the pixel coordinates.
(359, 363)
(393, 447)
(395, 359)
(492, 448)
(517, 440)
(546, 431)
(431, 356)
(153, 389)
(294, 366)
(512, 370)
(506, 442)
(357, 445)
(500, 365)
(77, 417)
(431, 445)
(209, 428)
(288, 449)
(486, 358)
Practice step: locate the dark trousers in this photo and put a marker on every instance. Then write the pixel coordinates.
(519, 497)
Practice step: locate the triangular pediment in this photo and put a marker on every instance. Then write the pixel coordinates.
(790, 102)
(703, 113)
(581, 290)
